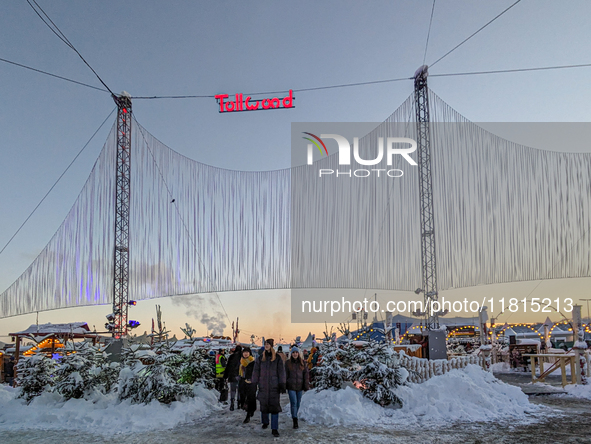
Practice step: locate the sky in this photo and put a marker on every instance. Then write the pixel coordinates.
(204, 48)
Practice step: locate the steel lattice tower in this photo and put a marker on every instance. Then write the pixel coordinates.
(429, 269)
(122, 197)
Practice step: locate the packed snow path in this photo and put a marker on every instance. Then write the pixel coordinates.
(462, 406)
(569, 422)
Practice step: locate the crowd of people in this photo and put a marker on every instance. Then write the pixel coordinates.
(245, 377)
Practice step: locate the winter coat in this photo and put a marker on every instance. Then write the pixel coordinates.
(9, 369)
(268, 374)
(232, 366)
(296, 378)
(248, 370)
(220, 363)
(248, 391)
(313, 358)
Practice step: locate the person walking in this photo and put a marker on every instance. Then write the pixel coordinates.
(306, 354)
(297, 382)
(312, 358)
(231, 374)
(247, 390)
(269, 376)
(280, 353)
(9, 371)
(312, 362)
(220, 366)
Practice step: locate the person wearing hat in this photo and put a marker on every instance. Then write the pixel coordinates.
(247, 390)
(297, 382)
(280, 353)
(231, 374)
(269, 376)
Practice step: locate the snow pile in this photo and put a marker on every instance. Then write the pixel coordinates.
(469, 394)
(579, 391)
(101, 413)
(501, 367)
(338, 407)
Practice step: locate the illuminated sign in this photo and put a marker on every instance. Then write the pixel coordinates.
(249, 104)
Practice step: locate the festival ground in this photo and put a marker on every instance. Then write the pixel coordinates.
(560, 419)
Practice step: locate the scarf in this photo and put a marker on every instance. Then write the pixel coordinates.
(243, 364)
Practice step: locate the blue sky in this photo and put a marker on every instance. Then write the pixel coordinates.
(161, 48)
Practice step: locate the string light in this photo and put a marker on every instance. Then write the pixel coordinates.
(521, 325)
(46, 343)
(459, 330)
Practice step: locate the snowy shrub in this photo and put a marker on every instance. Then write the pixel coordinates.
(128, 381)
(197, 369)
(105, 373)
(379, 373)
(375, 369)
(85, 370)
(335, 367)
(147, 375)
(72, 375)
(34, 375)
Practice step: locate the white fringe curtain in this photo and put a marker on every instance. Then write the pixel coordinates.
(504, 212)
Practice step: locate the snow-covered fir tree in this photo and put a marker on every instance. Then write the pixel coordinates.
(148, 375)
(378, 373)
(34, 375)
(197, 368)
(335, 367)
(85, 370)
(128, 382)
(105, 373)
(374, 368)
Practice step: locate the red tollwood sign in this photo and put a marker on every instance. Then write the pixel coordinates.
(248, 104)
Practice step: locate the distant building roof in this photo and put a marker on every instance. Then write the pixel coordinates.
(308, 343)
(76, 328)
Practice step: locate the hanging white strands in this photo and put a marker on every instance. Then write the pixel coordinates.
(503, 212)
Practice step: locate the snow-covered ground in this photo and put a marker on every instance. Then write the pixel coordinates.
(561, 418)
(579, 391)
(469, 394)
(100, 414)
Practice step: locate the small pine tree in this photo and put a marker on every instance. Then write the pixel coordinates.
(197, 369)
(72, 375)
(149, 376)
(378, 373)
(335, 368)
(159, 381)
(105, 373)
(83, 371)
(128, 380)
(34, 376)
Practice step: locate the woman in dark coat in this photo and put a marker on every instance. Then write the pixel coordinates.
(269, 375)
(247, 390)
(298, 381)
